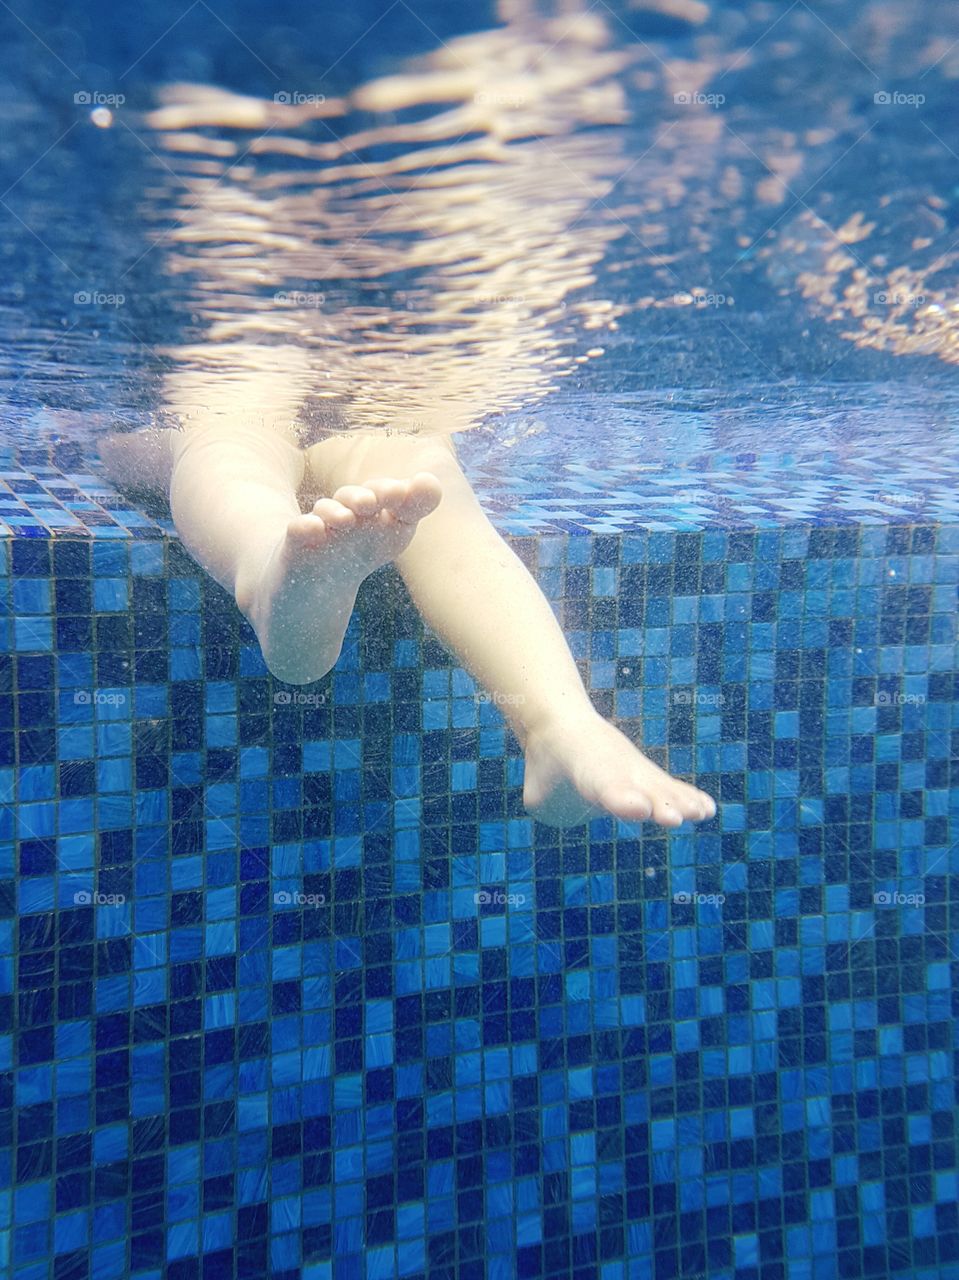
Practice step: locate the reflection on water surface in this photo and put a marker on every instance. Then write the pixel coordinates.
(408, 257)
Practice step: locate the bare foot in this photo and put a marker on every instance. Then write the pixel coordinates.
(300, 602)
(580, 769)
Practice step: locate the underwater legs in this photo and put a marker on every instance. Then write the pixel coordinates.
(294, 574)
(475, 592)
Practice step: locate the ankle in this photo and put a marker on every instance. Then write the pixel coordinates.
(555, 722)
(250, 572)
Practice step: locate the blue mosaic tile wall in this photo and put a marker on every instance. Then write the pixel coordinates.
(292, 988)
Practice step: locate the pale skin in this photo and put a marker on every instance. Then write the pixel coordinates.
(401, 499)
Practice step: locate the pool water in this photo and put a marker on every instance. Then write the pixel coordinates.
(290, 985)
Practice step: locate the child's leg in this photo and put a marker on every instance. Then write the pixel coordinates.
(233, 493)
(479, 598)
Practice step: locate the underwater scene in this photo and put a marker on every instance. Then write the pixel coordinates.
(479, 550)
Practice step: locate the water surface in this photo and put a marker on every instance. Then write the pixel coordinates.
(428, 219)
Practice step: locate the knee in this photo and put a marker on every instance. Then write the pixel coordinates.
(240, 447)
(351, 459)
(357, 458)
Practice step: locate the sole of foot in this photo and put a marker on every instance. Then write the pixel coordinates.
(581, 770)
(300, 601)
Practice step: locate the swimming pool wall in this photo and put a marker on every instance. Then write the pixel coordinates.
(292, 987)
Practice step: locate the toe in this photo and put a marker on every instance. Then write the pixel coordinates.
(333, 514)
(695, 804)
(631, 806)
(623, 800)
(708, 804)
(423, 496)
(387, 490)
(666, 813)
(408, 500)
(358, 498)
(307, 531)
(691, 804)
